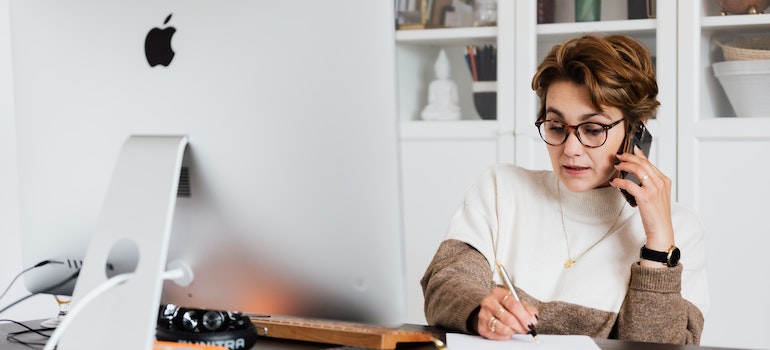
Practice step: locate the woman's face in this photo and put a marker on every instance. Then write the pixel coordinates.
(582, 168)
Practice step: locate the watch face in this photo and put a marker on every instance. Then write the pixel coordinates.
(673, 259)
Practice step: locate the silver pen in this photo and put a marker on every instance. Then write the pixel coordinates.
(509, 285)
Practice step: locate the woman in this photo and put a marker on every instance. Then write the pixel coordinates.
(570, 241)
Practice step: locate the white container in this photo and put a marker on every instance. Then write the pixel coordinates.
(747, 85)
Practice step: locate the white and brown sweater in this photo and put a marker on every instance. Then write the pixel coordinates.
(512, 214)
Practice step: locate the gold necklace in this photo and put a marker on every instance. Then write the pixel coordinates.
(571, 261)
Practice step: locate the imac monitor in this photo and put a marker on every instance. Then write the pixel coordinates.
(289, 109)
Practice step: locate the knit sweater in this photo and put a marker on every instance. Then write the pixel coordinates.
(513, 215)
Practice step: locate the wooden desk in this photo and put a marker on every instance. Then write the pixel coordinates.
(276, 344)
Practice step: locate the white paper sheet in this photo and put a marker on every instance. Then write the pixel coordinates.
(457, 341)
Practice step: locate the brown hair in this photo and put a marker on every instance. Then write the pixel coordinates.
(617, 70)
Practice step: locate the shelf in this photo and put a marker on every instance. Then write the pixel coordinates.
(735, 21)
(446, 36)
(560, 31)
(739, 129)
(461, 129)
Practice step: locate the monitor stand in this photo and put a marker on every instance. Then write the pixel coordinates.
(136, 216)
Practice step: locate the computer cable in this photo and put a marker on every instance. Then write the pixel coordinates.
(103, 287)
(42, 263)
(13, 336)
(54, 287)
(87, 299)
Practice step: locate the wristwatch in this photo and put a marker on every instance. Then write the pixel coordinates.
(669, 258)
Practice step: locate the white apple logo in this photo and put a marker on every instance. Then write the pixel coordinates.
(157, 45)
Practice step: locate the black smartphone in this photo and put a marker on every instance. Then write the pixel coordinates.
(642, 138)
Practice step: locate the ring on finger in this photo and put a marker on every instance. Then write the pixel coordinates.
(505, 297)
(491, 325)
(500, 312)
(644, 178)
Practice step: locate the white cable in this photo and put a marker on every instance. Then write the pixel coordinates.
(180, 274)
(101, 288)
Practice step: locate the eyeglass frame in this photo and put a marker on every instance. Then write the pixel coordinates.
(574, 128)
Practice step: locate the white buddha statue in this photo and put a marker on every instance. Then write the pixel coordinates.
(442, 94)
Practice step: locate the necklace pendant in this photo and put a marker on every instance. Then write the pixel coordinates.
(569, 263)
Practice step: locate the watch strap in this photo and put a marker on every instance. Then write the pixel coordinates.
(668, 258)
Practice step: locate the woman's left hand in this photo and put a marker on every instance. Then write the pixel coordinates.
(653, 198)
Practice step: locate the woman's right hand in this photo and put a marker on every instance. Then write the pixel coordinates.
(501, 316)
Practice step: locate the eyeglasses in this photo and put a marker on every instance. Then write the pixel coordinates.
(589, 134)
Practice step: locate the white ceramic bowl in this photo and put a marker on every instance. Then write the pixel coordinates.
(747, 85)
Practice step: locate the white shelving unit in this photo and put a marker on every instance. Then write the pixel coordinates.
(721, 160)
(440, 159)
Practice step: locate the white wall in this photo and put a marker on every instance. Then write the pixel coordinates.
(41, 306)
